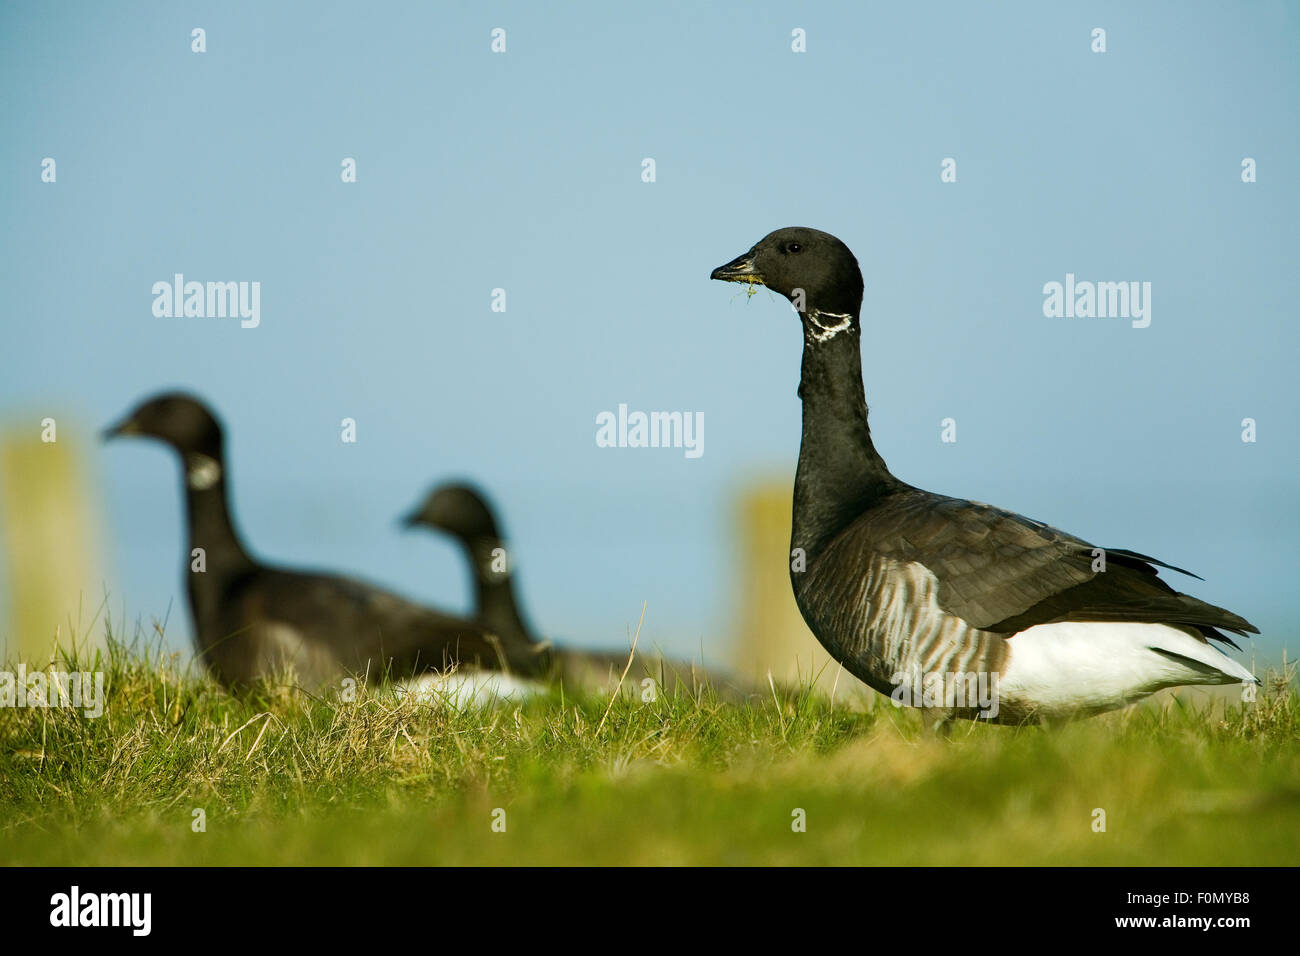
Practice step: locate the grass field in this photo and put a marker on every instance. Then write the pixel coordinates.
(284, 778)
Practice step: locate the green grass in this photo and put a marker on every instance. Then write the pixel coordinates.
(285, 778)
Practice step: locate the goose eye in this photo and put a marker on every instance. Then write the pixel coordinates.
(794, 247)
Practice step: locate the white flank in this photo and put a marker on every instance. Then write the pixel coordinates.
(467, 688)
(1077, 666)
(280, 646)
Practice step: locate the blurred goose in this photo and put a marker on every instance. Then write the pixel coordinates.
(917, 593)
(252, 619)
(463, 512)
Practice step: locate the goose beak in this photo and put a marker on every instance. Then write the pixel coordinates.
(125, 427)
(409, 521)
(740, 269)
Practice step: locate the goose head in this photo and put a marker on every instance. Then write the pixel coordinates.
(813, 269)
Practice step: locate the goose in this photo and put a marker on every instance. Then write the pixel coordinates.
(463, 512)
(251, 619)
(932, 599)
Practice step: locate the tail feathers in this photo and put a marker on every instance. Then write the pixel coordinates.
(1138, 559)
(1219, 669)
(1213, 634)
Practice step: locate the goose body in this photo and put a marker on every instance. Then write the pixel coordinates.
(464, 513)
(252, 620)
(912, 590)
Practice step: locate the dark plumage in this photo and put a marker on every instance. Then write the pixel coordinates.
(464, 513)
(251, 619)
(901, 582)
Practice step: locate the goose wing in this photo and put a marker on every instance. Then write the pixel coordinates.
(368, 628)
(1003, 572)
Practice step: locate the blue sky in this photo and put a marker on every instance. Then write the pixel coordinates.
(522, 171)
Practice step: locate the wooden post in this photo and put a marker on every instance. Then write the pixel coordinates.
(773, 637)
(47, 532)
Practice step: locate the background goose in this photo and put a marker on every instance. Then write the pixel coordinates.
(251, 619)
(904, 586)
(464, 513)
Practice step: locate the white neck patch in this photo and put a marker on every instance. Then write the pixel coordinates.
(201, 472)
(823, 331)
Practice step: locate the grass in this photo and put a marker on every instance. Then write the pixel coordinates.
(286, 778)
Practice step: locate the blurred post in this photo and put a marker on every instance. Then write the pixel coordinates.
(47, 534)
(773, 637)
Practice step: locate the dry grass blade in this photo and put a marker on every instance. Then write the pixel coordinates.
(631, 654)
(235, 733)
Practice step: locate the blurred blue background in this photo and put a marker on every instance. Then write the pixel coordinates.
(523, 171)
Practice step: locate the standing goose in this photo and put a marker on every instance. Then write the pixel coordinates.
(462, 512)
(917, 594)
(250, 619)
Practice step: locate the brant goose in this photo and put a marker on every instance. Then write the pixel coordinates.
(463, 512)
(251, 619)
(927, 597)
